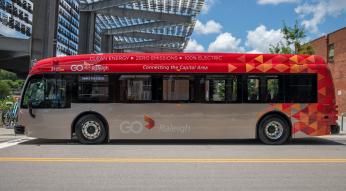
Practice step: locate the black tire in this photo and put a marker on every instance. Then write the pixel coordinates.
(90, 129)
(270, 136)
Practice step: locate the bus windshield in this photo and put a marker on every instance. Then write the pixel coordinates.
(45, 92)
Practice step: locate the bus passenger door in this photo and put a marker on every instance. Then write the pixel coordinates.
(44, 105)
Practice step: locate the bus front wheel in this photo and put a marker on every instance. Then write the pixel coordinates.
(273, 130)
(90, 130)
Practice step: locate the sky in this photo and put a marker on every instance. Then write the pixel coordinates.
(253, 25)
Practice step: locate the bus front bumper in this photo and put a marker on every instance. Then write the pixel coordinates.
(335, 129)
(19, 130)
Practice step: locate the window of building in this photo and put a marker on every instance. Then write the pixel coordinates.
(2, 4)
(135, 88)
(331, 53)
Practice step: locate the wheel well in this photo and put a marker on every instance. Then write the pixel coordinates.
(277, 113)
(103, 119)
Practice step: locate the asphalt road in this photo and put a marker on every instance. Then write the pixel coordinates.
(305, 164)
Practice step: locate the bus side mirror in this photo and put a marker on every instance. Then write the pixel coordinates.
(30, 109)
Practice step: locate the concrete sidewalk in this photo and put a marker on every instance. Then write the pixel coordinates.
(8, 135)
(342, 126)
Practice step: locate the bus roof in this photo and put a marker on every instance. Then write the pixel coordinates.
(180, 63)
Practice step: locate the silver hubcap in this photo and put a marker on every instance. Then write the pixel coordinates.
(274, 130)
(91, 130)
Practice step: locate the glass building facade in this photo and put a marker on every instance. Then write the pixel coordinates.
(16, 18)
(16, 21)
(144, 25)
(68, 28)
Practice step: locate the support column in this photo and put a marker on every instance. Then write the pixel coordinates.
(44, 29)
(107, 44)
(86, 32)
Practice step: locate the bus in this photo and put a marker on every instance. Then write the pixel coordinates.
(99, 97)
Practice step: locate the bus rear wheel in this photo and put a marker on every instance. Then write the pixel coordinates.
(273, 130)
(90, 129)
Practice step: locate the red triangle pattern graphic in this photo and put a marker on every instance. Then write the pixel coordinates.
(306, 118)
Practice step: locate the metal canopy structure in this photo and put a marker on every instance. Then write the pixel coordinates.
(14, 55)
(136, 25)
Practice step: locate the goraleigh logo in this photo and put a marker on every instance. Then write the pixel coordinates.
(137, 127)
(150, 122)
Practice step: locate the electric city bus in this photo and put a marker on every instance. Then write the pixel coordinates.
(100, 97)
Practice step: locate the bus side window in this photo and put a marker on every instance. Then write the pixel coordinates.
(301, 88)
(198, 89)
(215, 90)
(157, 88)
(176, 88)
(274, 89)
(93, 88)
(221, 88)
(264, 89)
(55, 92)
(253, 93)
(135, 88)
(232, 89)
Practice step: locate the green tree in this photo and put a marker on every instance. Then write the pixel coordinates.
(293, 38)
(4, 104)
(12, 82)
(280, 48)
(4, 75)
(5, 89)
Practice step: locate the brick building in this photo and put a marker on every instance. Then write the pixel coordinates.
(333, 48)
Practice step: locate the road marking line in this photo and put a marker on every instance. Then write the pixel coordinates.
(14, 142)
(174, 160)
